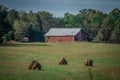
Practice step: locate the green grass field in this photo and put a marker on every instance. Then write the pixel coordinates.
(15, 58)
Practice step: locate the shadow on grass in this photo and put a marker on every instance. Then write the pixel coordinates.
(90, 74)
(23, 45)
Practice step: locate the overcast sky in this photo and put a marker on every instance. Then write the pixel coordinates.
(59, 7)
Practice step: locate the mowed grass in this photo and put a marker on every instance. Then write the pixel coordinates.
(15, 58)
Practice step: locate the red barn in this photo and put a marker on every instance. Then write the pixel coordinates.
(65, 35)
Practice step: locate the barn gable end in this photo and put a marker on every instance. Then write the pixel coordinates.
(65, 35)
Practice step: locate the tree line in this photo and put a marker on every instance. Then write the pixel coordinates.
(99, 27)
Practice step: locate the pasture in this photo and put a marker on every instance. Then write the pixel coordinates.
(15, 58)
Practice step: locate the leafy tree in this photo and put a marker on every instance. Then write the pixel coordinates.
(36, 30)
(21, 29)
(69, 20)
(12, 15)
(115, 35)
(109, 25)
(96, 22)
(9, 36)
(46, 19)
(29, 25)
(58, 22)
(4, 23)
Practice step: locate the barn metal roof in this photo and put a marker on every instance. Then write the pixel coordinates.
(63, 31)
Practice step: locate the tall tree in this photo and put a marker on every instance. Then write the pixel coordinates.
(109, 25)
(4, 23)
(46, 19)
(29, 25)
(12, 15)
(69, 20)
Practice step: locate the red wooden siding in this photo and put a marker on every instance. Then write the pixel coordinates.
(60, 39)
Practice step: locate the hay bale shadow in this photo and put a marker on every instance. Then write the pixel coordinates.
(90, 74)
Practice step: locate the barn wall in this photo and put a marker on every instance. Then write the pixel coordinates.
(60, 39)
(81, 36)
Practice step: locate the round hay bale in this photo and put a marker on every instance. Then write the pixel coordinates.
(62, 61)
(88, 62)
(34, 65)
